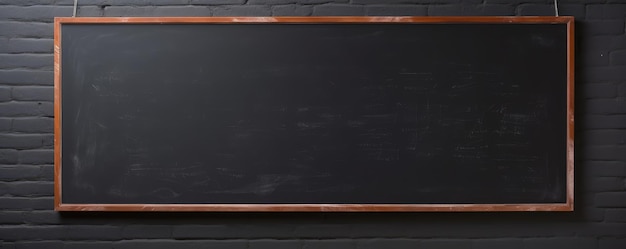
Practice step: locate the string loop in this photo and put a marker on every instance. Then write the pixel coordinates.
(75, 4)
(556, 8)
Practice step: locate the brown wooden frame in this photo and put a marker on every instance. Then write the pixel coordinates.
(567, 206)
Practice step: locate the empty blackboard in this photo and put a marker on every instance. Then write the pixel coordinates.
(314, 114)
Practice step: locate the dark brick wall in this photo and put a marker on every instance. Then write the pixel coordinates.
(26, 153)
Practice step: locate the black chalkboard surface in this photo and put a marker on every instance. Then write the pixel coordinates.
(314, 114)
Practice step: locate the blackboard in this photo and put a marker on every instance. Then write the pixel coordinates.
(314, 114)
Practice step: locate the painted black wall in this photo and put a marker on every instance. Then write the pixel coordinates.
(26, 140)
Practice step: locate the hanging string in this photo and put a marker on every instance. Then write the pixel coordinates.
(556, 8)
(76, 4)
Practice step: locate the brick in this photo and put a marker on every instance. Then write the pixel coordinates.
(582, 1)
(584, 199)
(26, 2)
(594, 91)
(146, 232)
(26, 203)
(594, 58)
(409, 1)
(608, 153)
(33, 125)
(198, 231)
(13, 29)
(21, 172)
(618, 57)
(26, 141)
(591, 214)
(611, 199)
(292, 10)
(578, 11)
(274, 244)
(604, 229)
(46, 108)
(217, 2)
(396, 10)
(27, 188)
(11, 217)
(328, 244)
(536, 10)
(446, 243)
(617, 42)
(606, 106)
(272, 2)
(612, 243)
(26, 77)
(585, 208)
(309, 2)
(5, 94)
(8, 156)
(604, 137)
(90, 232)
(167, 244)
(515, 1)
(621, 90)
(130, 2)
(157, 11)
(321, 231)
(36, 156)
(509, 243)
(89, 11)
(603, 27)
(39, 13)
(7, 245)
(247, 10)
(182, 11)
(615, 215)
(38, 61)
(606, 11)
(387, 243)
(75, 232)
(597, 121)
(45, 217)
(128, 11)
(604, 168)
(33, 93)
(373, 231)
(22, 109)
(605, 184)
(551, 243)
(231, 231)
(6, 124)
(89, 244)
(595, 43)
(47, 172)
(471, 10)
(338, 10)
(39, 244)
(25, 45)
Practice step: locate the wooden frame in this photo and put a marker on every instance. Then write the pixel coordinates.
(567, 206)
